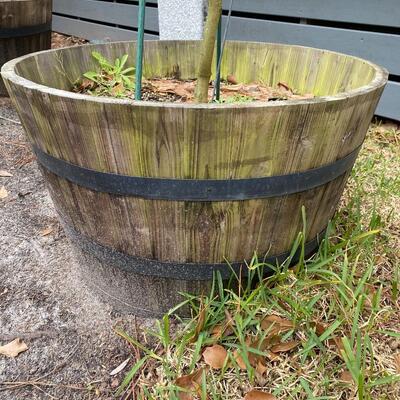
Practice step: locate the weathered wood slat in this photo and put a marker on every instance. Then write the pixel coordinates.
(371, 12)
(389, 106)
(93, 31)
(25, 27)
(383, 49)
(114, 13)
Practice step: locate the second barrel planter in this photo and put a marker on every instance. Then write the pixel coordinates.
(25, 27)
(158, 196)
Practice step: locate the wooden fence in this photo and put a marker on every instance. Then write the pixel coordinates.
(365, 28)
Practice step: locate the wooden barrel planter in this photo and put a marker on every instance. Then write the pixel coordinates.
(158, 195)
(25, 27)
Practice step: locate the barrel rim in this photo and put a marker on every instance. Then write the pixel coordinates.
(8, 73)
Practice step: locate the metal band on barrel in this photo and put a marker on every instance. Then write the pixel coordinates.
(196, 189)
(7, 33)
(178, 270)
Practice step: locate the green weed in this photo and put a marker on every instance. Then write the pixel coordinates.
(112, 79)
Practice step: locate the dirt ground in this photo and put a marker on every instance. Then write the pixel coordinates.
(42, 298)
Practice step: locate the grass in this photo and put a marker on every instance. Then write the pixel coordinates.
(327, 329)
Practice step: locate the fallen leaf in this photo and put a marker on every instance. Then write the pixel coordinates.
(232, 88)
(397, 362)
(286, 346)
(120, 367)
(215, 356)
(218, 331)
(261, 367)
(118, 89)
(346, 376)
(268, 342)
(320, 328)
(285, 86)
(3, 193)
(223, 329)
(258, 395)
(232, 79)
(191, 384)
(272, 356)
(275, 324)
(239, 359)
(87, 84)
(4, 174)
(46, 231)
(13, 348)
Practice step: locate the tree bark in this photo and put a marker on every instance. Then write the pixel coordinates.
(207, 50)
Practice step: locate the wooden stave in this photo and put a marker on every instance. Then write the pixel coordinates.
(37, 27)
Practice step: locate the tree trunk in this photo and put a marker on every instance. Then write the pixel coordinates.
(207, 50)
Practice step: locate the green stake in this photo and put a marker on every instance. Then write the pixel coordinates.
(139, 50)
(218, 62)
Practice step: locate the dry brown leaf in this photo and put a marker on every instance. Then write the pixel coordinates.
(232, 88)
(218, 331)
(320, 328)
(269, 341)
(215, 356)
(3, 193)
(223, 329)
(285, 86)
(286, 346)
(4, 174)
(272, 356)
(167, 87)
(239, 359)
(274, 324)
(256, 360)
(258, 395)
(346, 376)
(232, 79)
(397, 362)
(118, 89)
(13, 348)
(186, 90)
(87, 84)
(191, 384)
(261, 367)
(46, 231)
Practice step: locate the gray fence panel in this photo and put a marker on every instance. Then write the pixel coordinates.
(383, 49)
(389, 106)
(93, 31)
(114, 13)
(370, 12)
